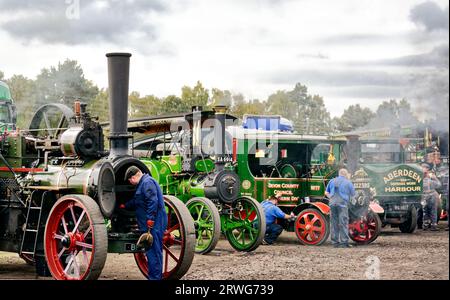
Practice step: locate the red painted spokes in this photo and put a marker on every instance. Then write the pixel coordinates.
(310, 227)
(173, 245)
(173, 242)
(363, 229)
(69, 241)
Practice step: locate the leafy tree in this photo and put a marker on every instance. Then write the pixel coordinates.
(64, 84)
(2, 75)
(144, 106)
(311, 115)
(172, 104)
(23, 92)
(393, 113)
(196, 96)
(99, 106)
(280, 104)
(353, 117)
(307, 112)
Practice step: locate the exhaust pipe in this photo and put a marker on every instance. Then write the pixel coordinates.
(219, 136)
(118, 81)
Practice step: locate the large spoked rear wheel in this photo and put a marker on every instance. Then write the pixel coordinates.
(76, 241)
(312, 227)
(245, 227)
(207, 224)
(365, 231)
(178, 241)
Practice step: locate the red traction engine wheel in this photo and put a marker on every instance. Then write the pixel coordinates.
(75, 240)
(312, 227)
(178, 241)
(365, 230)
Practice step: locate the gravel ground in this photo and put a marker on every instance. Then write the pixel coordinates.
(422, 255)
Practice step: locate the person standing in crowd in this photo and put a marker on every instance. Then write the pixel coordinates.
(339, 191)
(151, 217)
(430, 198)
(273, 212)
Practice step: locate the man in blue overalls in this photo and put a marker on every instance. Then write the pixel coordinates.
(151, 216)
(339, 191)
(273, 212)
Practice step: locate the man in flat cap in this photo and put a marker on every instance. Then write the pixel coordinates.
(148, 202)
(430, 198)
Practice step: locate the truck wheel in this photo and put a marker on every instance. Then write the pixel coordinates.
(178, 241)
(207, 223)
(312, 227)
(367, 231)
(409, 226)
(75, 239)
(245, 226)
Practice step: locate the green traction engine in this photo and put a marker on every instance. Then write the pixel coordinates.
(187, 154)
(60, 191)
(299, 168)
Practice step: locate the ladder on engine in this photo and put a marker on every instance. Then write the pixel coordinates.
(32, 225)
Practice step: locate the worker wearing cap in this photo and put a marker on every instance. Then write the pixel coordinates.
(430, 198)
(273, 212)
(148, 202)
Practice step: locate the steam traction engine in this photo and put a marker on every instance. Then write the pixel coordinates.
(190, 156)
(60, 192)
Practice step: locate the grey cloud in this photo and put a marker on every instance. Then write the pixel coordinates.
(329, 77)
(367, 92)
(354, 38)
(437, 57)
(427, 90)
(313, 56)
(430, 16)
(46, 21)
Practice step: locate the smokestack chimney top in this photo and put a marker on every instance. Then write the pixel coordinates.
(220, 108)
(118, 54)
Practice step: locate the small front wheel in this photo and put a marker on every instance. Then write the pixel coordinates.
(365, 231)
(312, 227)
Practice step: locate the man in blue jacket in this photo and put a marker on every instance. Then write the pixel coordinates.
(273, 212)
(151, 216)
(339, 191)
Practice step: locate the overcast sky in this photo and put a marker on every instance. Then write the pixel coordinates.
(352, 51)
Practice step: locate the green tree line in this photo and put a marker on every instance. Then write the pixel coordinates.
(66, 82)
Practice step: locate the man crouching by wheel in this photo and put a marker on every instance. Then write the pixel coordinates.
(151, 217)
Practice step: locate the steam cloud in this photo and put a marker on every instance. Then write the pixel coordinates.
(430, 90)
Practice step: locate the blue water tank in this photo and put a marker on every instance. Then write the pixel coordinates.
(267, 122)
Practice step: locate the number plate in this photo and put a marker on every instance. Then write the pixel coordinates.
(362, 185)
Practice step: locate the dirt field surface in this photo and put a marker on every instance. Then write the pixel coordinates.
(422, 255)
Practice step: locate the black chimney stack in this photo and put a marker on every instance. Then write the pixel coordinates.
(219, 136)
(118, 80)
